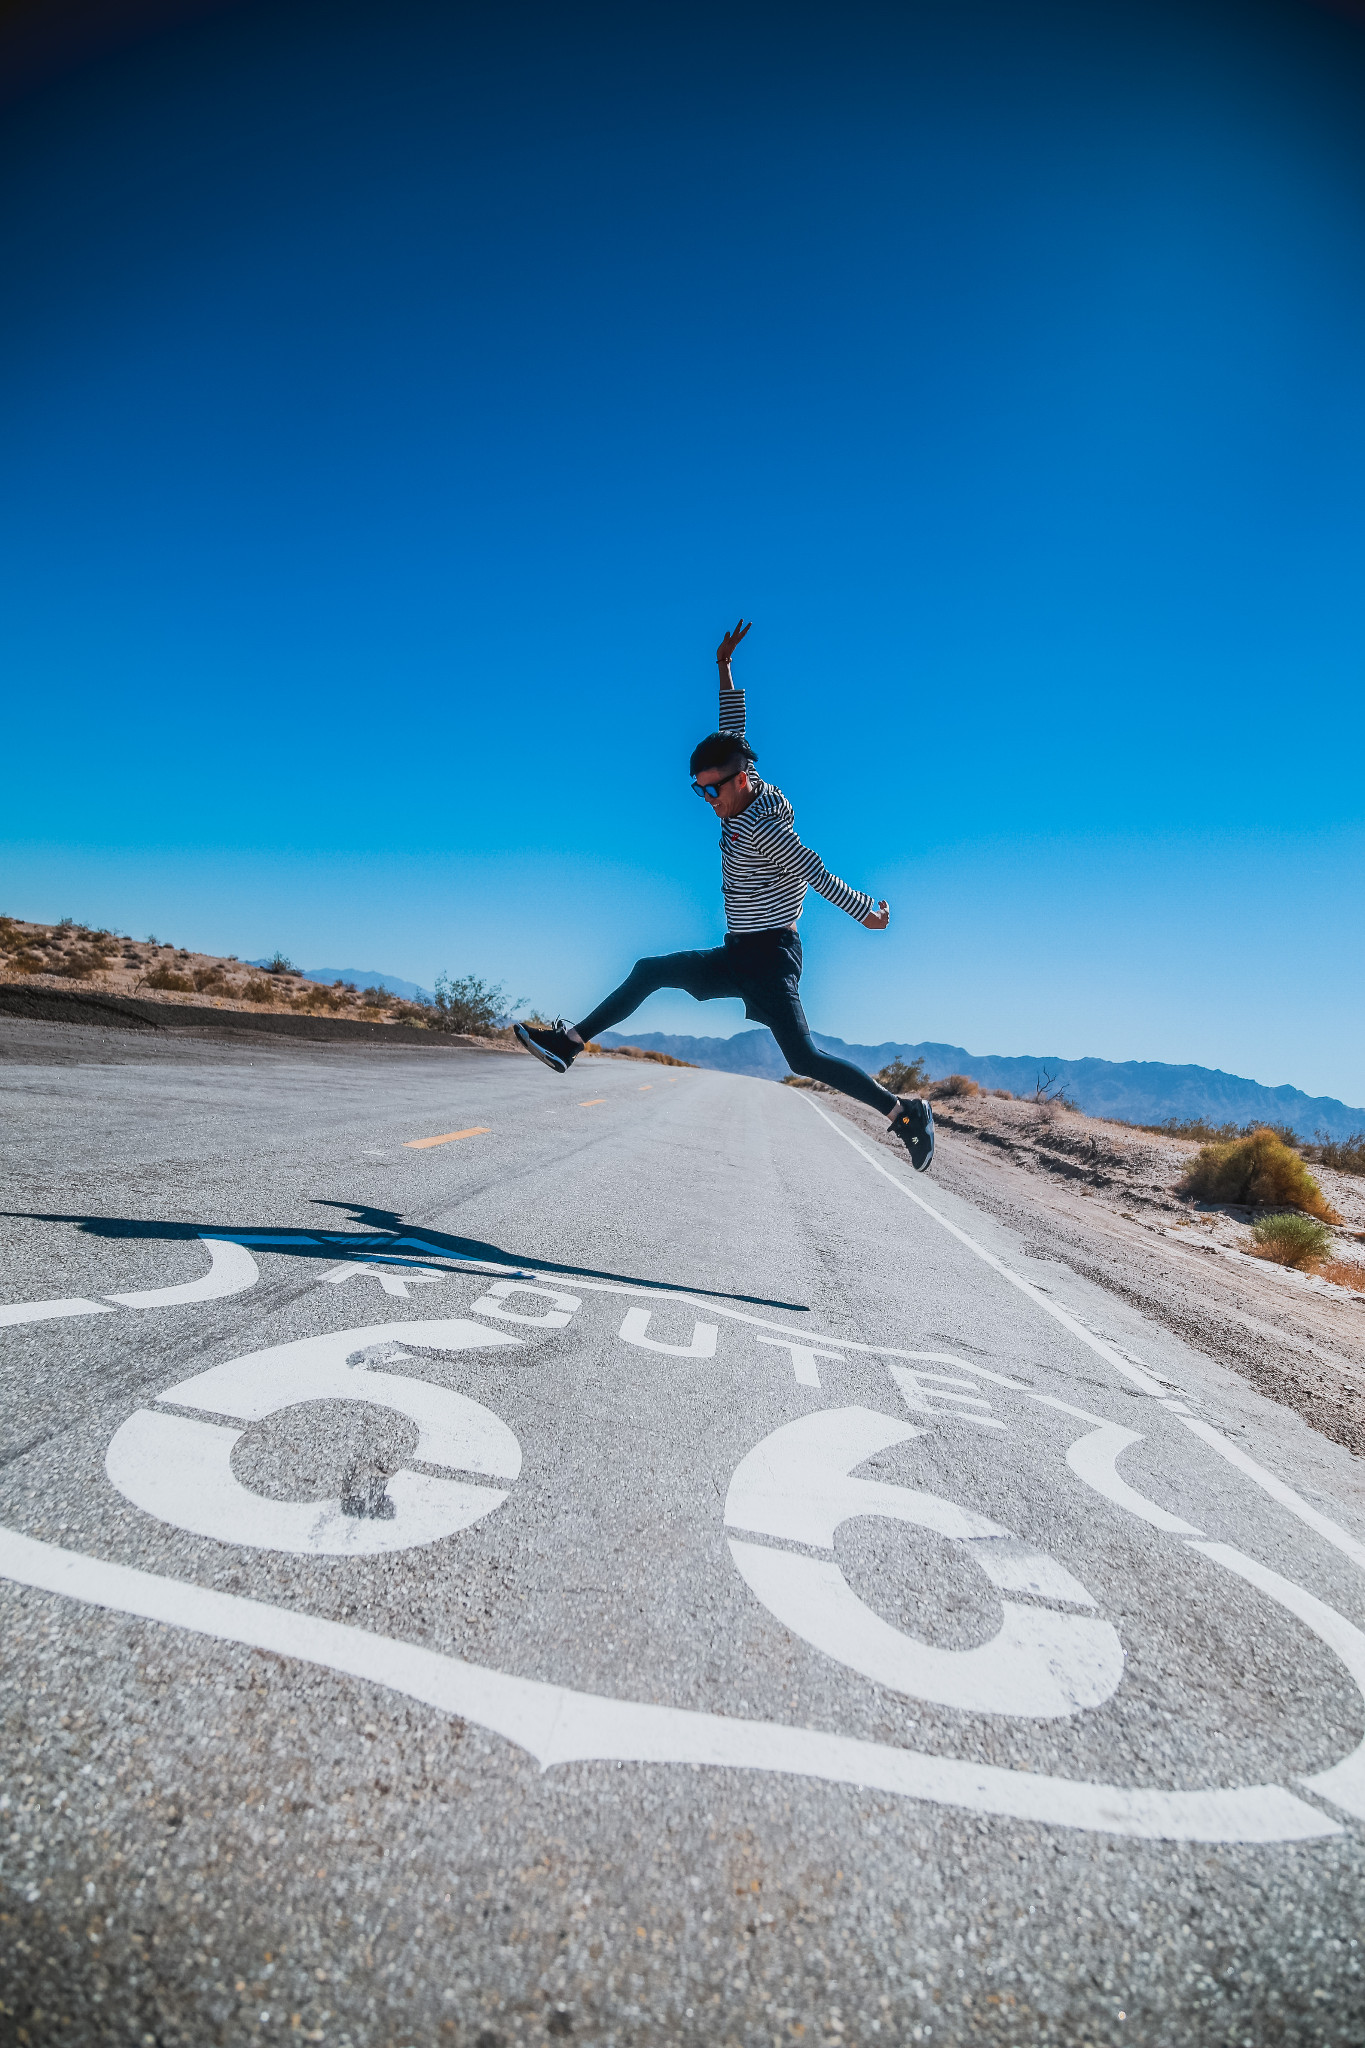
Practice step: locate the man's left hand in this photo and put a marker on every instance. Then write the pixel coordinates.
(877, 920)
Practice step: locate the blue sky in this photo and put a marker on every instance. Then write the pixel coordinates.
(397, 403)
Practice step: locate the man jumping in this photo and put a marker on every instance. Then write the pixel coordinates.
(765, 872)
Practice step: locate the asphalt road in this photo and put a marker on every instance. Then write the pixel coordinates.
(487, 1558)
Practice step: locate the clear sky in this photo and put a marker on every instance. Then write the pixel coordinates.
(397, 402)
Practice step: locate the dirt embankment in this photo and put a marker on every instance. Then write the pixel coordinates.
(1102, 1198)
(72, 974)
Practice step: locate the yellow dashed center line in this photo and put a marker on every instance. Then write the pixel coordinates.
(593, 1102)
(646, 1088)
(420, 1144)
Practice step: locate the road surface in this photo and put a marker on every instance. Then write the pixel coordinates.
(488, 1558)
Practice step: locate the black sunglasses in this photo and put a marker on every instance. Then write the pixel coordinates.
(711, 790)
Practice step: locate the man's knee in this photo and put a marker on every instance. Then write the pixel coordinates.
(801, 1056)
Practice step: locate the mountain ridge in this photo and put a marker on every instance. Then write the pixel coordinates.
(1132, 1091)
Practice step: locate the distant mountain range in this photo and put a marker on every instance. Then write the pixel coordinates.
(1135, 1091)
(363, 977)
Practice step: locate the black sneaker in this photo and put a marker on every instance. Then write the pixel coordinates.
(914, 1122)
(558, 1044)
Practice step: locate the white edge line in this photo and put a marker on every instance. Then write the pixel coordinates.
(1035, 1294)
(1331, 1532)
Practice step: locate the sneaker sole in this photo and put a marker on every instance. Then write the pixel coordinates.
(547, 1059)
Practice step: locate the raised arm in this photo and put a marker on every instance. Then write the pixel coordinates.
(731, 700)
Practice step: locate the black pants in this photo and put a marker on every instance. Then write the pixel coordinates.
(763, 969)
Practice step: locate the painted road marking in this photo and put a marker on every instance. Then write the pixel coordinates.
(179, 1468)
(1330, 1531)
(592, 1102)
(421, 1144)
(797, 1486)
(636, 1325)
(803, 1359)
(231, 1271)
(394, 1280)
(644, 1090)
(556, 1725)
(589, 1726)
(917, 1384)
(560, 1313)
(44, 1311)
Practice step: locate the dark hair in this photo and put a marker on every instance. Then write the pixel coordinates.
(719, 749)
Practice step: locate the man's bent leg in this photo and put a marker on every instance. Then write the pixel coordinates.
(700, 974)
(786, 1019)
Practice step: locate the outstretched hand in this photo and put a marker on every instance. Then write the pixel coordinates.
(877, 920)
(731, 642)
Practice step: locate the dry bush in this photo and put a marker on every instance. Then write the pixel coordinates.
(1344, 1273)
(905, 1077)
(27, 962)
(258, 990)
(1347, 1155)
(466, 1004)
(207, 979)
(1298, 1241)
(1001, 1094)
(1258, 1172)
(951, 1086)
(166, 977)
(662, 1059)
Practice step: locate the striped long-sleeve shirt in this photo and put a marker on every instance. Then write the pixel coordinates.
(765, 870)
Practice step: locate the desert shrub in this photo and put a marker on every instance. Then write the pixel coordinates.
(646, 1052)
(77, 966)
(951, 1086)
(376, 998)
(206, 979)
(904, 1077)
(1298, 1241)
(66, 924)
(280, 963)
(1347, 1155)
(1259, 1171)
(1195, 1128)
(27, 962)
(797, 1081)
(257, 990)
(166, 977)
(1344, 1272)
(467, 1004)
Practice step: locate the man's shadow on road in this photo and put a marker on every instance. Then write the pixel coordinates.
(388, 1227)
